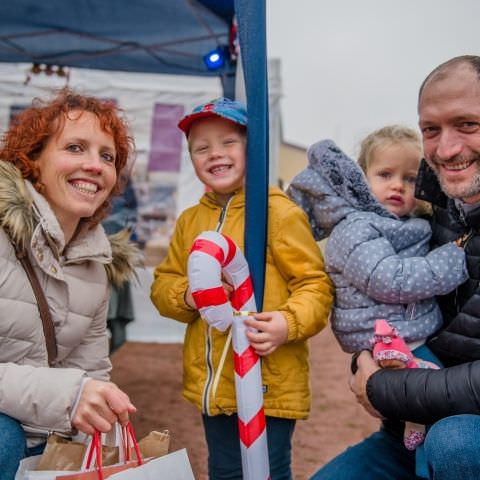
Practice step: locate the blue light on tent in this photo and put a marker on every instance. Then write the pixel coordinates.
(215, 59)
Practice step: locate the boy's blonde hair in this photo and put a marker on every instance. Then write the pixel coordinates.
(391, 134)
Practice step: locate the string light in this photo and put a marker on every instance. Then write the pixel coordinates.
(49, 70)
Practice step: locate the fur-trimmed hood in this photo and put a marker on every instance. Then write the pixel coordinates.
(332, 187)
(125, 257)
(23, 211)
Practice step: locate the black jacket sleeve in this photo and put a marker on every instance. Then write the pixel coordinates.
(425, 396)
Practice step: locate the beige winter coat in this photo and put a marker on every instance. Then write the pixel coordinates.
(76, 286)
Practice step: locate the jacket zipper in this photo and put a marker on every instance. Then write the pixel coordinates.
(209, 364)
(209, 344)
(37, 432)
(464, 246)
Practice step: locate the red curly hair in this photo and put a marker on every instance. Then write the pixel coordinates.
(31, 130)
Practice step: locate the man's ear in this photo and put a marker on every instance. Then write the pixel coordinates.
(428, 187)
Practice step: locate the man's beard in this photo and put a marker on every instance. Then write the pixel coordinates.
(458, 190)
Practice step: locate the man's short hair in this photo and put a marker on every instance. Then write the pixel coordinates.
(445, 68)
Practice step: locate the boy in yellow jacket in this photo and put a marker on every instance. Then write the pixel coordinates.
(297, 301)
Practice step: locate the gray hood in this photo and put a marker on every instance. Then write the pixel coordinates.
(332, 187)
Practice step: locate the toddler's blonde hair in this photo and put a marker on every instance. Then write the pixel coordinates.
(391, 134)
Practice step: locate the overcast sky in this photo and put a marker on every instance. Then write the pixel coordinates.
(350, 66)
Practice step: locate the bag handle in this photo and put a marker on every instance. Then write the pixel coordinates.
(129, 434)
(96, 448)
(42, 304)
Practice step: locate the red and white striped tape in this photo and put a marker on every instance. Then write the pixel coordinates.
(211, 255)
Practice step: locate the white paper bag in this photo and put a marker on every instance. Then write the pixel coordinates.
(26, 470)
(173, 466)
(28, 463)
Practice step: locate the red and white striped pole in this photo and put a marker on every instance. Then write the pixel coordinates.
(211, 255)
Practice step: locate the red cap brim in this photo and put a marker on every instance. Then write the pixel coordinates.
(186, 122)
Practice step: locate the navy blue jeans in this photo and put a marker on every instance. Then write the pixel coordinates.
(452, 448)
(224, 457)
(13, 447)
(382, 456)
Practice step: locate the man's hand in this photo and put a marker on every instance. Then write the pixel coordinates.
(101, 404)
(358, 382)
(272, 331)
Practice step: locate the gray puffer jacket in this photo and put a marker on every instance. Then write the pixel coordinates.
(76, 285)
(378, 262)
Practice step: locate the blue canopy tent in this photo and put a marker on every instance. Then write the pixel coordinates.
(157, 36)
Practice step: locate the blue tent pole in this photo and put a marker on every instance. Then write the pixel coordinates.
(251, 18)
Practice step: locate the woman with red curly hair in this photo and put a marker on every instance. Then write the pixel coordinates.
(60, 164)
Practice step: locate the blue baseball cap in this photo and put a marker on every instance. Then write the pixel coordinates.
(220, 107)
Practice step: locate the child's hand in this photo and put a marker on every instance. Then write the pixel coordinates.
(272, 332)
(189, 297)
(227, 288)
(393, 363)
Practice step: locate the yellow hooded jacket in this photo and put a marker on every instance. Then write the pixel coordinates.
(295, 284)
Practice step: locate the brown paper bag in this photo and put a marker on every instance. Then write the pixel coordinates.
(155, 444)
(109, 455)
(64, 454)
(61, 454)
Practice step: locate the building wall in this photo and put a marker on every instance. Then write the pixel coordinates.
(291, 160)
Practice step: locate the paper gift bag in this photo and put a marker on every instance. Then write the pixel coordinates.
(26, 465)
(155, 444)
(174, 466)
(97, 473)
(61, 454)
(65, 454)
(94, 458)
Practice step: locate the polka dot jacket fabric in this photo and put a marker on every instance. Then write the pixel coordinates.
(380, 264)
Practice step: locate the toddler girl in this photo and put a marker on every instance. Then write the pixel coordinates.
(378, 251)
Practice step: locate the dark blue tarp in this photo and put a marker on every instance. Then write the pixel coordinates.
(154, 36)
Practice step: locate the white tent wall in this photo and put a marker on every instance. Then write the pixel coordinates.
(137, 94)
